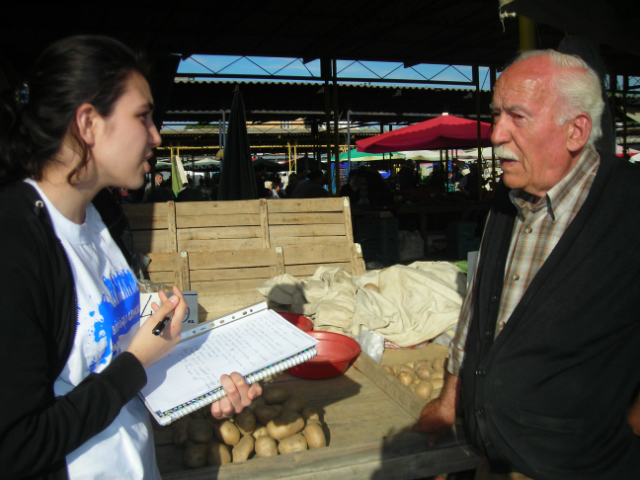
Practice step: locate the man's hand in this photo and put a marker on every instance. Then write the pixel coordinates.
(439, 415)
(633, 417)
(239, 396)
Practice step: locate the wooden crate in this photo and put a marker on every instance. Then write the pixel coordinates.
(369, 417)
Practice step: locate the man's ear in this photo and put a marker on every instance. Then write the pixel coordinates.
(579, 132)
(86, 118)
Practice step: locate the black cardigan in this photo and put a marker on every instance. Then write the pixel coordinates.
(37, 429)
(549, 397)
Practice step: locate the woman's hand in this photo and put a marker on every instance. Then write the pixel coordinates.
(149, 348)
(239, 396)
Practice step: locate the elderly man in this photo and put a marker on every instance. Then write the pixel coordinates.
(546, 361)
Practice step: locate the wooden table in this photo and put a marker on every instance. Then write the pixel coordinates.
(369, 416)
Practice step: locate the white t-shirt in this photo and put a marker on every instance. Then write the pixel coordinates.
(108, 316)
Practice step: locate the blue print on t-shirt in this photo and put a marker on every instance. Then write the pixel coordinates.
(120, 310)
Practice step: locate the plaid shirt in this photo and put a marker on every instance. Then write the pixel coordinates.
(538, 227)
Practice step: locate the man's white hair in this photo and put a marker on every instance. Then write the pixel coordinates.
(578, 87)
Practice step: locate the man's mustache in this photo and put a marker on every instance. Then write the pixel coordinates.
(503, 153)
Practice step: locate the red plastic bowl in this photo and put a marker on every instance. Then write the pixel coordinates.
(335, 354)
(303, 323)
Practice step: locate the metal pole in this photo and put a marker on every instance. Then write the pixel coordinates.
(348, 143)
(527, 34)
(480, 164)
(325, 70)
(625, 89)
(295, 152)
(336, 184)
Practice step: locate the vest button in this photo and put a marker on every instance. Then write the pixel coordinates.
(480, 373)
(494, 299)
(488, 334)
(480, 412)
(487, 443)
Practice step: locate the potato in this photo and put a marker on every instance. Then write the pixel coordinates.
(218, 454)
(435, 393)
(286, 425)
(314, 436)
(421, 363)
(256, 402)
(310, 413)
(260, 431)
(227, 433)
(246, 421)
(372, 287)
(438, 363)
(416, 380)
(195, 456)
(243, 449)
(406, 378)
(264, 413)
(275, 395)
(279, 409)
(389, 369)
(404, 368)
(294, 443)
(424, 372)
(180, 433)
(197, 413)
(437, 383)
(424, 389)
(200, 431)
(295, 404)
(437, 374)
(410, 365)
(266, 447)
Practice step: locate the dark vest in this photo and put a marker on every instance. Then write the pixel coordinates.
(549, 397)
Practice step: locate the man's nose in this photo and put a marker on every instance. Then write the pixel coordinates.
(499, 131)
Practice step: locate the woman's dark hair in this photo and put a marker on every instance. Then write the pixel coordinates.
(35, 118)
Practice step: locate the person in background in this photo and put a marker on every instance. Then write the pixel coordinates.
(545, 359)
(407, 177)
(151, 187)
(73, 351)
(312, 187)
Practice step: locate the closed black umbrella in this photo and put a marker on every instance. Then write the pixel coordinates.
(237, 179)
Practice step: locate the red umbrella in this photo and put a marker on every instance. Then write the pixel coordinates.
(446, 131)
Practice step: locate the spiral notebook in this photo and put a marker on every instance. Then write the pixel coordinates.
(255, 342)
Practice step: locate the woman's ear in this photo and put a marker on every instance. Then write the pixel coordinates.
(86, 120)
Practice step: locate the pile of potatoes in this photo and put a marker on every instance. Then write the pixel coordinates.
(423, 377)
(276, 423)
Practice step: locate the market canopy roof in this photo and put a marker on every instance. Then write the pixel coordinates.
(446, 131)
(357, 156)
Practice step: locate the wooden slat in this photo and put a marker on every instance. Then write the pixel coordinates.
(260, 257)
(302, 241)
(183, 281)
(217, 208)
(304, 218)
(216, 233)
(308, 270)
(136, 210)
(230, 274)
(228, 285)
(264, 224)
(148, 223)
(316, 254)
(172, 234)
(162, 262)
(313, 230)
(187, 221)
(167, 277)
(357, 261)
(215, 245)
(347, 220)
(215, 304)
(306, 205)
(279, 270)
(147, 241)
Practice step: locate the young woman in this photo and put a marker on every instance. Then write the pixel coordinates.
(72, 351)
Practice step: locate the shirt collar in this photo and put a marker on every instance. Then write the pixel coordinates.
(555, 201)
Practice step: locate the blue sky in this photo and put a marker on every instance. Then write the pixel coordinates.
(368, 71)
